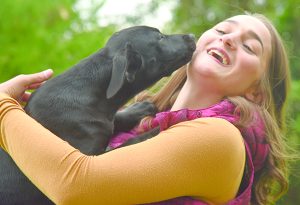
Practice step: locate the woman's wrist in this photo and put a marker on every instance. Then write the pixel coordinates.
(6, 98)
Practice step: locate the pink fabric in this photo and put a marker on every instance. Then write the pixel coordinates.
(255, 143)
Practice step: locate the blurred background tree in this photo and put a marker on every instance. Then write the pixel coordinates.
(36, 35)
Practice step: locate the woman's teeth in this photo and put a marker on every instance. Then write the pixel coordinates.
(218, 55)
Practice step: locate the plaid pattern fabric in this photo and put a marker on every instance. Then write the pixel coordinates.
(254, 138)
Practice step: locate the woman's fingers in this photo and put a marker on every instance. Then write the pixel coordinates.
(16, 87)
(31, 79)
(25, 97)
(34, 86)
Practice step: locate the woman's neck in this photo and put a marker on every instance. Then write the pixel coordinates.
(195, 98)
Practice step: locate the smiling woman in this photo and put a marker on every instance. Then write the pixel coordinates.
(223, 60)
(267, 66)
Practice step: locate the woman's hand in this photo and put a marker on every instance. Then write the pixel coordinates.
(17, 86)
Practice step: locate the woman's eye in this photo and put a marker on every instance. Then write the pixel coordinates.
(248, 48)
(220, 31)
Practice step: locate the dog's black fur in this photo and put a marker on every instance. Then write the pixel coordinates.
(79, 105)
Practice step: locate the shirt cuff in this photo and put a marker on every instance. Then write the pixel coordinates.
(6, 104)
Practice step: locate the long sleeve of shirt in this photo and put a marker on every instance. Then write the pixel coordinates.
(202, 158)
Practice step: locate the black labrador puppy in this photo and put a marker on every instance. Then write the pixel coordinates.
(80, 105)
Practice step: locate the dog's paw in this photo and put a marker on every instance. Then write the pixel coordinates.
(129, 117)
(142, 109)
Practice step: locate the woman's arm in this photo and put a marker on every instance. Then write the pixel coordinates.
(203, 158)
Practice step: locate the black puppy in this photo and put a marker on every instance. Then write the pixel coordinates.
(79, 105)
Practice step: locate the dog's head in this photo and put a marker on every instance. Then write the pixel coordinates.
(142, 55)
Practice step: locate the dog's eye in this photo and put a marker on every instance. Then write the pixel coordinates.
(161, 36)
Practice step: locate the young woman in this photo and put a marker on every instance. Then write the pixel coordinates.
(221, 122)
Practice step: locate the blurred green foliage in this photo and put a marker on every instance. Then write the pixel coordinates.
(35, 35)
(44, 34)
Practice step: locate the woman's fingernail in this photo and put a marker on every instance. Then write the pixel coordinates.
(48, 73)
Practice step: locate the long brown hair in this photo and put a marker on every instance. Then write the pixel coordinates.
(271, 182)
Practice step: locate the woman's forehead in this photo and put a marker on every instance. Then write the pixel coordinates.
(254, 24)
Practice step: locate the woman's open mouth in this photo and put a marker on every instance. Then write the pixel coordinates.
(220, 55)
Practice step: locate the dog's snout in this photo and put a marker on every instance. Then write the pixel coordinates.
(189, 37)
(191, 41)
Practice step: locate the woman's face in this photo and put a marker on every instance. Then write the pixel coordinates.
(232, 56)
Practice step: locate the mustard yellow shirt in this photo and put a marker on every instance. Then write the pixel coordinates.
(202, 158)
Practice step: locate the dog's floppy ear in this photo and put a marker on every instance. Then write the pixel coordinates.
(125, 65)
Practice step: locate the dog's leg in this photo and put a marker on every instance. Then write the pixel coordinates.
(129, 117)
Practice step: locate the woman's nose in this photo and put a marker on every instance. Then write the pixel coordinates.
(228, 41)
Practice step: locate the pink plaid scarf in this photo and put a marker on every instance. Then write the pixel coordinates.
(256, 146)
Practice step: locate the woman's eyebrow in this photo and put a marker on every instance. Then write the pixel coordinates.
(250, 33)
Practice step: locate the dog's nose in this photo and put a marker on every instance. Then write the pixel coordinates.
(192, 36)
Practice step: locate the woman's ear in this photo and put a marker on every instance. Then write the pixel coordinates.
(254, 94)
